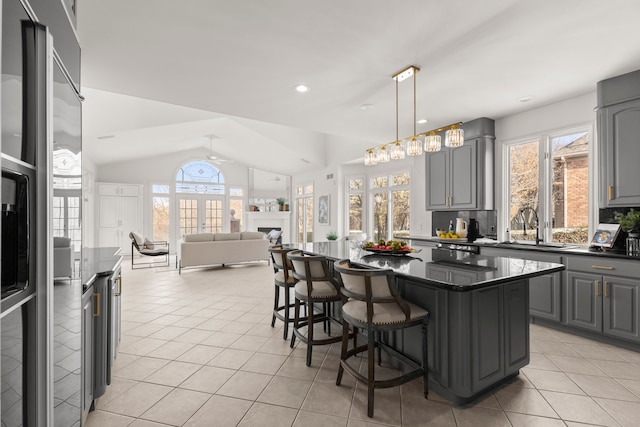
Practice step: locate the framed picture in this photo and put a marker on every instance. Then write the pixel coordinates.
(605, 236)
(323, 210)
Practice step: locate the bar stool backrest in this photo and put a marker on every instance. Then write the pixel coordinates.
(310, 268)
(279, 257)
(366, 284)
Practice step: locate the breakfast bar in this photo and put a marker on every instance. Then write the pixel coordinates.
(479, 306)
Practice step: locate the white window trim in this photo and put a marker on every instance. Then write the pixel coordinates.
(544, 138)
(364, 192)
(389, 189)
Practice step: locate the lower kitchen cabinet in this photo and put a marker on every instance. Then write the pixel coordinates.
(115, 315)
(100, 336)
(88, 312)
(101, 315)
(603, 302)
(545, 292)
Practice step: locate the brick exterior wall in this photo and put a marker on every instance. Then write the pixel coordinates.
(577, 191)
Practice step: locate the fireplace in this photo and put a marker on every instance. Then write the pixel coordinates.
(267, 221)
(266, 230)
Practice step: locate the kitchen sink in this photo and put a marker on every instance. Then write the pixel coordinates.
(539, 247)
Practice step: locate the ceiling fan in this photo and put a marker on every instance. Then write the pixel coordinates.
(212, 157)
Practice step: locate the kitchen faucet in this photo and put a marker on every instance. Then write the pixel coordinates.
(524, 223)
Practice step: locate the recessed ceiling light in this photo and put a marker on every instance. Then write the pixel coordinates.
(422, 121)
(366, 106)
(526, 98)
(301, 88)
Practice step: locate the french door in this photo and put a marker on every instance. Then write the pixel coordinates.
(200, 214)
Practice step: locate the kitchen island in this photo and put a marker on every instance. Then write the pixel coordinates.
(479, 306)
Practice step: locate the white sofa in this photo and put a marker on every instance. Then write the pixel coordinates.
(222, 248)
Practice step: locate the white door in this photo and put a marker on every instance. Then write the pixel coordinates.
(118, 217)
(200, 214)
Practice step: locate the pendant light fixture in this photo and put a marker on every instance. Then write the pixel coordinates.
(383, 155)
(432, 142)
(454, 136)
(370, 157)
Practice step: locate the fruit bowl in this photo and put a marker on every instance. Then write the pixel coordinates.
(391, 247)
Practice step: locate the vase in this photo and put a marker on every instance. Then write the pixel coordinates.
(633, 244)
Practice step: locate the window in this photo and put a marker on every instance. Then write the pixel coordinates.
(160, 212)
(235, 211)
(390, 206)
(304, 213)
(200, 199)
(355, 196)
(199, 177)
(548, 178)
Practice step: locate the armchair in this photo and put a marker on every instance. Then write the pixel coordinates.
(146, 247)
(62, 257)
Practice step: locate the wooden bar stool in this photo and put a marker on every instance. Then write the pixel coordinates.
(374, 307)
(283, 279)
(315, 285)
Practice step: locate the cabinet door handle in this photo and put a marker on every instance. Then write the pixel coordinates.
(606, 289)
(96, 313)
(597, 288)
(603, 267)
(119, 286)
(610, 192)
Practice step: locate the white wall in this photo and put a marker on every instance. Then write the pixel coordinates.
(162, 169)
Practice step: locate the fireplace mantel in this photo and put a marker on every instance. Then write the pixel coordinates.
(280, 220)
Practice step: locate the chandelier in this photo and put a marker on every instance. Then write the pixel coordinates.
(454, 136)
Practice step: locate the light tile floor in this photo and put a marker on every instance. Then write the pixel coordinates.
(198, 350)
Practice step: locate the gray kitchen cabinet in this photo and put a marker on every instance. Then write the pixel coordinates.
(619, 127)
(86, 326)
(100, 337)
(620, 307)
(451, 181)
(604, 296)
(619, 147)
(483, 333)
(462, 178)
(115, 315)
(584, 305)
(545, 292)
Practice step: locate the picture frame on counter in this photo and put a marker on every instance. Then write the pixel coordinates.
(605, 235)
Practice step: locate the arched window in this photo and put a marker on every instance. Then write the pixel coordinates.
(199, 177)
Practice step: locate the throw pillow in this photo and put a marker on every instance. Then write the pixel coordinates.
(148, 244)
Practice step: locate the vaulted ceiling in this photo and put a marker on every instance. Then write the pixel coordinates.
(160, 75)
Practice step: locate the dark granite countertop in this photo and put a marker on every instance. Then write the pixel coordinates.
(98, 262)
(444, 268)
(554, 248)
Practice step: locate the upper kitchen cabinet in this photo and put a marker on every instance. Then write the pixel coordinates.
(619, 140)
(462, 178)
(60, 17)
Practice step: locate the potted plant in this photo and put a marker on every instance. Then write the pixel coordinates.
(629, 222)
(332, 235)
(282, 202)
